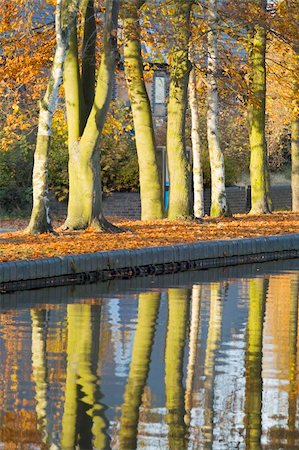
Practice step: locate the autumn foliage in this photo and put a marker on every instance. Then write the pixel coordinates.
(137, 234)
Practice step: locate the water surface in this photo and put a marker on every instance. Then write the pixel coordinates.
(196, 361)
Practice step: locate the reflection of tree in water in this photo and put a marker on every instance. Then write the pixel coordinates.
(213, 339)
(19, 425)
(178, 313)
(39, 368)
(148, 308)
(253, 363)
(83, 420)
(285, 301)
(193, 342)
(293, 348)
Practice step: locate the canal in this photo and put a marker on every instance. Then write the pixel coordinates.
(192, 360)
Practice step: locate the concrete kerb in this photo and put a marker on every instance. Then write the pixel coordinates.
(127, 263)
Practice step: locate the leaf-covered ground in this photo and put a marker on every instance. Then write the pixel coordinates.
(17, 245)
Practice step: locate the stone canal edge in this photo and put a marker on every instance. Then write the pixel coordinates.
(107, 265)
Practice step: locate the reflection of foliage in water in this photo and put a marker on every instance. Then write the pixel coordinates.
(188, 416)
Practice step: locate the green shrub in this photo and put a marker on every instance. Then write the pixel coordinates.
(58, 162)
(119, 164)
(16, 164)
(233, 170)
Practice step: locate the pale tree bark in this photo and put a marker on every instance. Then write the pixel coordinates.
(150, 179)
(259, 179)
(295, 164)
(219, 205)
(198, 187)
(85, 194)
(40, 221)
(295, 151)
(178, 165)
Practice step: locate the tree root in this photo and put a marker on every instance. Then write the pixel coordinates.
(104, 226)
(39, 228)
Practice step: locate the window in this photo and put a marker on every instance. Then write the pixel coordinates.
(160, 90)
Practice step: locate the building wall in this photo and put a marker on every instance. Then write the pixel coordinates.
(127, 204)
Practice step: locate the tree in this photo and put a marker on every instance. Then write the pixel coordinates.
(85, 193)
(295, 127)
(40, 219)
(180, 66)
(150, 180)
(219, 204)
(285, 55)
(198, 203)
(295, 160)
(260, 201)
(27, 47)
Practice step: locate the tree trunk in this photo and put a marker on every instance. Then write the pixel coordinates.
(150, 180)
(85, 195)
(89, 59)
(178, 166)
(295, 164)
(198, 188)
(260, 203)
(40, 221)
(219, 206)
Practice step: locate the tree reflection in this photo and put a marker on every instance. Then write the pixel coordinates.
(178, 313)
(39, 368)
(293, 337)
(193, 341)
(83, 420)
(213, 339)
(148, 308)
(253, 363)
